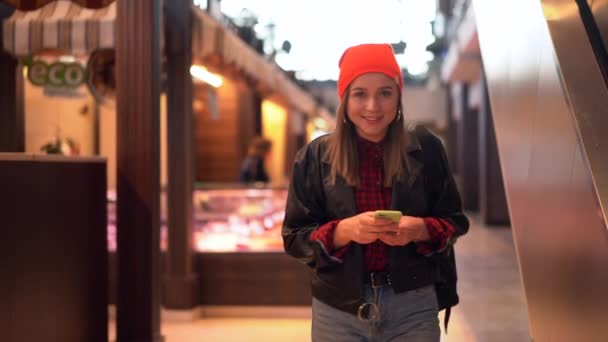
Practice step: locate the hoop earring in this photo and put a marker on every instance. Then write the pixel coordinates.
(344, 119)
(399, 111)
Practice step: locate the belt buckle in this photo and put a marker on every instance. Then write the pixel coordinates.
(376, 279)
(368, 312)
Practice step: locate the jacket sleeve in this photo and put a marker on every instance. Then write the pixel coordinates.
(447, 204)
(441, 234)
(325, 236)
(304, 212)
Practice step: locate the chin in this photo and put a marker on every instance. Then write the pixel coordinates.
(376, 135)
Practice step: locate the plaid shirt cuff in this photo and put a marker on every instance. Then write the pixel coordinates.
(441, 233)
(325, 236)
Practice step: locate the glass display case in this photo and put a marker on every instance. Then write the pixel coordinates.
(243, 220)
(227, 219)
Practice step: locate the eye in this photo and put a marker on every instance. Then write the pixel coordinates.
(387, 93)
(358, 94)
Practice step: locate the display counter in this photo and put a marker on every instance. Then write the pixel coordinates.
(239, 254)
(230, 219)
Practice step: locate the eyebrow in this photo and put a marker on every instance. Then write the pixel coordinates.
(381, 88)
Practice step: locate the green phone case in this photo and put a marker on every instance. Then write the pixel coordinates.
(393, 215)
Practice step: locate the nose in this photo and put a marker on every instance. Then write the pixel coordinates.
(371, 104)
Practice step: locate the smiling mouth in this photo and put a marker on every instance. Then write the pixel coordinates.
(372, 118)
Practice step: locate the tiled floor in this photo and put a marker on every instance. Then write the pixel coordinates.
(492, 304)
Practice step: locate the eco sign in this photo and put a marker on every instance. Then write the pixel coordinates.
(57, 74)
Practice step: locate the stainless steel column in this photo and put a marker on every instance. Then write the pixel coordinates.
(549, 101)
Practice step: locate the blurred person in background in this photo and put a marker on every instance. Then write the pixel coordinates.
(252, 167)
(373, 278)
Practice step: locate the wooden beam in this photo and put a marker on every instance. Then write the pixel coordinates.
(180, 282)
(138, 178)
(12, 128)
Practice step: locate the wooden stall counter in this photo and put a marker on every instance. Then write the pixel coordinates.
(53, 250)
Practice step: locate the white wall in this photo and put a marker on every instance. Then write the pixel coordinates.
(47, 116)
(107, 137)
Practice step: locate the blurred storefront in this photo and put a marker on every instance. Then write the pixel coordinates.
(472, 142)
(237, 94)
(253, 96)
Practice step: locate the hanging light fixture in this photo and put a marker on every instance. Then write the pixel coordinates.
(201, 73)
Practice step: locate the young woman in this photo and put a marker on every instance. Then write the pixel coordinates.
(373, 278)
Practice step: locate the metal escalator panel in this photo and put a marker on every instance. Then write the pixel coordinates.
(548, 101)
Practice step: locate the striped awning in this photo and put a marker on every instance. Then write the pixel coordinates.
(28, 5)
(62, 25)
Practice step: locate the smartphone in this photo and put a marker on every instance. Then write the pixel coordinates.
(393, 215)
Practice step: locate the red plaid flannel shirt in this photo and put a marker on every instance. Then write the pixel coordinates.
(372, 195)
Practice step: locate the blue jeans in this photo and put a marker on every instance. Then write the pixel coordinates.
(410, 316)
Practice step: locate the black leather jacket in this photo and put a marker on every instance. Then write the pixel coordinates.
(313, 200)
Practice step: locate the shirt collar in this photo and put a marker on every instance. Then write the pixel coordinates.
(369, 148)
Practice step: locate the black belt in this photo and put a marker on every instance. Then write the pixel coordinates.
(377, 279)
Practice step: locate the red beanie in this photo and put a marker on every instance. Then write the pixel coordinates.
(364, 58)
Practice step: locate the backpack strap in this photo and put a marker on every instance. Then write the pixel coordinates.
(446, 318)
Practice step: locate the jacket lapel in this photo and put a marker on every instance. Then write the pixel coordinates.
(346, 205)
(402, 195)
(340, 191)
(413, 171)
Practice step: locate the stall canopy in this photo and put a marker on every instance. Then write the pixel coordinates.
(28, 5)
(61, 24)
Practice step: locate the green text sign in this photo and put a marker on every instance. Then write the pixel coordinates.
(57, 74)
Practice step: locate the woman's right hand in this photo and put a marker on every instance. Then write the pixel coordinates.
(363, 228)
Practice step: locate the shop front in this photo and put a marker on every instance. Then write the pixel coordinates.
(54, 218)
(237, 249)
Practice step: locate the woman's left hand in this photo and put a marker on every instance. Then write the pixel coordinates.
(409, 229)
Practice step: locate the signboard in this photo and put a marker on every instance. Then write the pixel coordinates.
(57, 74)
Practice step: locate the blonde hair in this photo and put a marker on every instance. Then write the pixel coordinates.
(343, 152)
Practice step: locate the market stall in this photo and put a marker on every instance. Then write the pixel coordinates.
(243, 236)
